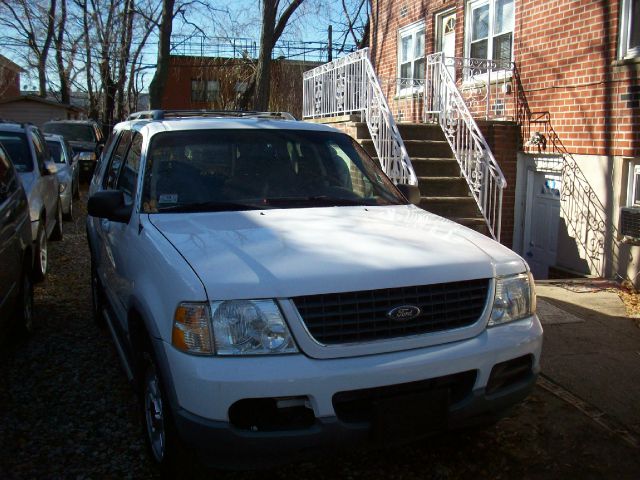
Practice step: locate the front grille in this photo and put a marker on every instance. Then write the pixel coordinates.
(353, 317)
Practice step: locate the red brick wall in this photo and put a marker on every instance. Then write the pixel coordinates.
(503, 139)
(286, 83)
(565, 51)
(9, 83)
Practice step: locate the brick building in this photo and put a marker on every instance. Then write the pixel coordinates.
(198, 82)
(554, 87)
(9, 78)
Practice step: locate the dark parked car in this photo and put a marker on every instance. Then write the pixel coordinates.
(84, 136)
(16, 253)
(32, 159)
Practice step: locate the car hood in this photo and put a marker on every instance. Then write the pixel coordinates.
(289, 252)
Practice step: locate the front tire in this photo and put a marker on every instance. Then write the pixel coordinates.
(167, 451)
(42, 253)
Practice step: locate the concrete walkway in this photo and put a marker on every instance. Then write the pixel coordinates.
(591, 348)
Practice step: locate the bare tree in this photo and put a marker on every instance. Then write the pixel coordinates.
(272, 28)
(33, 24)
(156, 88)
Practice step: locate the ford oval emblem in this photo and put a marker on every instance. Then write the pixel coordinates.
(403, 313)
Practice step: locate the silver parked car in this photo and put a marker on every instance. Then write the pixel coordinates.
(67, 172)
(29, 154)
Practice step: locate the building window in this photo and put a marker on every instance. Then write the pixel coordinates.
(411, 58)
(489, 32)
(204, 90)
(630, 29)
(633, 186)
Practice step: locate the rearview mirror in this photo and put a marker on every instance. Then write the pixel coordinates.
(411, 193)
(109, 204)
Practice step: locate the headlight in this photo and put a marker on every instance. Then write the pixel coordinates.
(191, 329)
(250, 327)
(515, 298)
(87, 156)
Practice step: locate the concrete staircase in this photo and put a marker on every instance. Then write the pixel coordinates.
(444, 192)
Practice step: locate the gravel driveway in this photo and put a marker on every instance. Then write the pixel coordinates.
(67, 411)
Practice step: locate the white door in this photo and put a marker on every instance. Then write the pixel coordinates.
(447, 37)
(541, 222)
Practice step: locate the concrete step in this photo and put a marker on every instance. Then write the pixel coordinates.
(451, 207)
(475, 223)
(420, 131)
(408, 131)
(417, 148)
(443, 186)
(435, 167)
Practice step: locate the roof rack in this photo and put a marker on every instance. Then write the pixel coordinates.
(164, 114)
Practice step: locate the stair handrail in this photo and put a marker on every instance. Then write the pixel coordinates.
(350, 85)
(476, 160)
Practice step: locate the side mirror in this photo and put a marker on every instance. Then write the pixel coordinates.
(109, 204)
(50, 168)
(411, 193)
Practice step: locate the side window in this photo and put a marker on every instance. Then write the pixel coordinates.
(41, 151)
(7, 177)
(129, 172)
(117, 158)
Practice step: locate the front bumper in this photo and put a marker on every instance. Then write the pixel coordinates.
(221, 445)
(205, 388)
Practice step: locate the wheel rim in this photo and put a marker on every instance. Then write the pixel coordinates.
(154, 416)
(27, 304)
(42, 247)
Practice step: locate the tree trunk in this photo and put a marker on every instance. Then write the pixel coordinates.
(65, 89)
(44, 53)
(263, 71)
(157, 85)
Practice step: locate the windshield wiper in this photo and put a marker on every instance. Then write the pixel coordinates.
(211, 206)
(315, 199)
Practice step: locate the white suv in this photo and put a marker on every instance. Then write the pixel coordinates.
(272, 293)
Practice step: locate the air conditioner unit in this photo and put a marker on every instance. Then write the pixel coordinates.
(630, 221)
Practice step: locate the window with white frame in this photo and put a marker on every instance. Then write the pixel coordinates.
(630, 29)
(633, 186)
(489, 32)
(411, 58)
(204, 90)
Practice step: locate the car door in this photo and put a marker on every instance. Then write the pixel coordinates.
(122, 237)
(10, 218)
(46, 186)
(110, 232)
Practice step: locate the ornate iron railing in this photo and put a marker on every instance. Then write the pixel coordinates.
(485, 85)
(349, 85)
(477, 163)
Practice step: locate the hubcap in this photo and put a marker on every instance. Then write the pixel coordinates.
(154, 416)
(42, 246)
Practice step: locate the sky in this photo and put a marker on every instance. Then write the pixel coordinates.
(237, 19)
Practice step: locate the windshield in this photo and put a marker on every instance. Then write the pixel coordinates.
(18, 149)
(213, 170)
(72, 132)
(56, 151)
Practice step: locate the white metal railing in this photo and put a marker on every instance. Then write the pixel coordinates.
(349, 85)
(485, 86)
(477, 163)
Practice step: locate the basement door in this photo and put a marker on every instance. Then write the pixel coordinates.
(542, 219)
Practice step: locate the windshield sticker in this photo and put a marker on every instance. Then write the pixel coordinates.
(168, 198)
